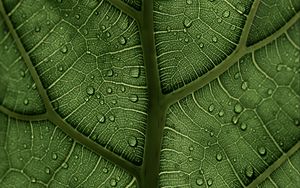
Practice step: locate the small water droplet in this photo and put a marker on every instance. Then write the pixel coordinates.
(237, 75)
(101, 118)
(59, 1)
(123, 89)
(60, 69)
(199, 181)
(249, 171)
(37, 29)
(244, 86)
(270, 91)
(191, 148)
(122, 40)
(105, 170)
(132, 141)
(64, 49)
(211, 108)
(109, 90)
(47, 170)
(33, 179)
(113, 182)
(90, 90)
(296, 122)
(189, 2)
(235, 119)
(209, 182)
(187, 22)
(215, 39)
(111, 118)
(107, 34)
(133, 98)
(22, 74)
(262, 150)
(221, 113)
(243, 126)
(219, 157)
(135, 72)
(77, 16)
(201, 45)
(238, 108)
(226, 14)
(54, 156)
(110, 73)
(26, 101)
(85, 31)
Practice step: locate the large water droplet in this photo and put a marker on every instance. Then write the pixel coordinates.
(90, 90)
(132, 141)
(101, 118)
(26, 101)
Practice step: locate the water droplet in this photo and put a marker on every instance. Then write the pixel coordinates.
(235, 119)
(22, 74)
(101, 118)
(109, 90)
(201, 45)
(215, 39)
(211, 108)
(135, 72)
(219, 157)
(113, 182)
(107, 34)
(249, 171)
(37, 29)
(189, 2)
(111, 118)
(132, 141)
(110, 73)
(243, 126)
(26, 102)
(133, 98)
(262, 150)
(60, 69)
(65, 165)
(237, 75)
(123, 89)
(47, 170)
(59, 1)
(296, 122)
(77, 16)
(25, 146)
(232, 28)
(122, 40)
(90, 90)
(33, 179)
(221, 113)
(54, 156)
(244, 86)
(191, 148)
(238, 108)
(105, 170)
(270, 91)
(187, 22)
(199, 181)
(226, 14)
(64, 49)
(209, 182)
(85, 31)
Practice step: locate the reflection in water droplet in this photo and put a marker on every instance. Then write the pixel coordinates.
(47, 170)
(221, 113)
(111, 118)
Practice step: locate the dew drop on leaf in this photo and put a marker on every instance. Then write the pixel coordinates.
(65, 165)
(249, 171)
(234, 119)
(296, 122)
(244, 86)
(22, 74)
(33, 179)
(262, 151)
(226, 14)
(133, 98)
(113, 182)
(111, 118)
(105, 170)
(135, 72)
(90, 90)
(122, 40)
(236, 76)
(37, 29)
(109, 90)
(191, 148)
(219, 157)
(26, 101)
(54, 156)
(77, 16)
(187, 22)
(209, 182)
(189, 2)
(201, 45)
(199, 181)
(243, 126)
(215, 39)
(60, 69)
(59, 1)
(132, 141)
(101, 118)
(221, 113)
(238, 108)
(123, 89)
(110, 73)
(64, 49)
(47, 170)
(270, 91)
(211, 107)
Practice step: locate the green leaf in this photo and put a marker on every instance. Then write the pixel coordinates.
(154, 93)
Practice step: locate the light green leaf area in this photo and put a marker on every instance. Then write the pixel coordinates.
(232, 130)
(39, 154)
(17, 89)
(270, 17)
(285, 176)
(90, 63)
(193, 37)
